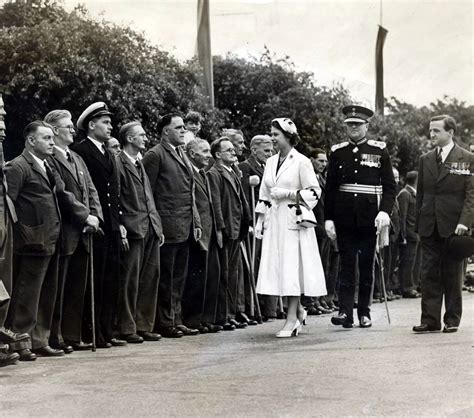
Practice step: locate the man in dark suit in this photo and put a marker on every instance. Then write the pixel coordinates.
(172, 181)
(37, 191)
(7, 217)
(444, 206)
(95, 122)
(73, 261)
(261, 148)
(409, 247)
(202, 282)
(140, 262)
(232, 219)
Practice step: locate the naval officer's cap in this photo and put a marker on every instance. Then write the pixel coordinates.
(358, 114)
(93, 111)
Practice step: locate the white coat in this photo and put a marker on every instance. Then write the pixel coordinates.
(290, 264)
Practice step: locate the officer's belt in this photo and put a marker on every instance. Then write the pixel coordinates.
(361, 188)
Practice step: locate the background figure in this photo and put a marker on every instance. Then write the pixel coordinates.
(290, 264)
(74, 251)
(140, 260)
(96, 123)
(192, 123)
(261, 148)
(232, 219)
(410, 251)
(113, 146)
(444, 206)
(202, 283)
(172, 182)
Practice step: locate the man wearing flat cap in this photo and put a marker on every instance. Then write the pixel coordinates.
(444, 207)
(96, 123)
(360, 193)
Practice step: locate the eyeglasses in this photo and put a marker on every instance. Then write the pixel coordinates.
(231, 150)
(70, 128)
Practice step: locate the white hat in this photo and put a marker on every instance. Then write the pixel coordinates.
(92, 111)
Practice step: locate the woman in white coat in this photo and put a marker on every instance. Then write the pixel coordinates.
(290, 264)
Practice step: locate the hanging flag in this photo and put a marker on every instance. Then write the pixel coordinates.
(204, 48)
(379, 96)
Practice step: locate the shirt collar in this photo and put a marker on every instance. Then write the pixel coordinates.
(411, 188)
(98, 144)
(446, 150)
(39, 161)
(132, 159)
(63, 151)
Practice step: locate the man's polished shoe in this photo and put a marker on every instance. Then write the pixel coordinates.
(213, 328)
(236, 324)
(9, 337)
(203, 329)
(365, 322)
(47, 351)
(103, 344)
(26, 355)
(187, 331)
(171, 332)
(63, 346)
(132, 338)
(242, 317)
(425, 328)
(116, 342)
(342, 319)
(7, 359)
(449, 329)
(149, 336)
(313, 310)
(227, 326)
(411, 294)
(80, 346)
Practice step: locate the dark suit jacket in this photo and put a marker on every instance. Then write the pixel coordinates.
(136, 200)
(444, 198)
(172, 182)
(251, 167)
(77, 180)
(230, 205)
(7, 211)
(407, 203)
(37, 206)
(105, 177)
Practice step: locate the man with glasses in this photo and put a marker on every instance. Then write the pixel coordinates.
(360, 193)
(232, 220)
(72, 277)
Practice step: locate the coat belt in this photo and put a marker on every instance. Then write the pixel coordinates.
(361, 188)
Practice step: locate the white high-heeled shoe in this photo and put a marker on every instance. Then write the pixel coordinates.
(290, 333)
(304, 316)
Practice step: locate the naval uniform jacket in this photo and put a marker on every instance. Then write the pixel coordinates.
(365, 163)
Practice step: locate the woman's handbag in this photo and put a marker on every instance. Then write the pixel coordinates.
(304, 216)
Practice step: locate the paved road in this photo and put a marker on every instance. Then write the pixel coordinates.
(326, 371)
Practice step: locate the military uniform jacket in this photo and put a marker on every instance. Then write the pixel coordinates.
(78, 181)
(103, 171)
(445, 197)
(367, 163)
(138, 208)
(172, 182)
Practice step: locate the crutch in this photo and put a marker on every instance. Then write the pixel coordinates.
(91, 281)
(252, 281)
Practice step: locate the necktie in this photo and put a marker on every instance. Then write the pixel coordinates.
(104, 151)
(68, 156)
(439, 159)
(203, 175)
(49, 173)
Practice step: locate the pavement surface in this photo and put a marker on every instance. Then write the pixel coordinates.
(326, 371)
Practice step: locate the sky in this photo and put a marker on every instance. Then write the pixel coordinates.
(428, 51)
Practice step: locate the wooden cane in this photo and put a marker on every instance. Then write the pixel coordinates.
(91, 280)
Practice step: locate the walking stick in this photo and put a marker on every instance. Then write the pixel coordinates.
(379, 251)
(252, 281)
(91, 279)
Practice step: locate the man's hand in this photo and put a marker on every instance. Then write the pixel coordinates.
(161, 240)
(461, 229)
(220, 241)
(123, 231)
(92, 221)
(124, 246)
(330, 230)
(197, 234)
(279, 193)
(382, 219)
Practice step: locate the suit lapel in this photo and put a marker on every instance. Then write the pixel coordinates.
(130, 167)
(290, 159)
(35, 166)
(228, 176)
(59, 157)
(98, 155)
(431, 163)
(199, 180)
(453, 156)
(173, 153)
(256, 166)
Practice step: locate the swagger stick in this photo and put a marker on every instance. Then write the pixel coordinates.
(379, 251)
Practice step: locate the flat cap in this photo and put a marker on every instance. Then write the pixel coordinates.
(356, 113)
(94, 110)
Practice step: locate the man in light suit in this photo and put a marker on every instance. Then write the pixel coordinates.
(74, 251)
(232, 219)
(172, 181)
(37, 192)
(140, 261)
(202, 283)
(96, 124)
(444, 206)
(409, 248)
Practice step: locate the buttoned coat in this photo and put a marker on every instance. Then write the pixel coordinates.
(407, 204)
(444, 197)
(172, 182)
(78, 181)
(136, 200)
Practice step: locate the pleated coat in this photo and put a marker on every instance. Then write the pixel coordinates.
(290, 263)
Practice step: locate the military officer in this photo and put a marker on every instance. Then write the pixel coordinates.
(360, 193)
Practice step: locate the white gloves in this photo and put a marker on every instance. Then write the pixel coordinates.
(278, 193)
(259, 228)
(330, 229)
(382, 220)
